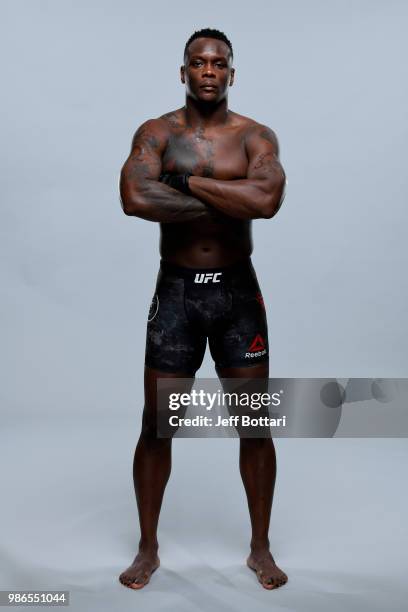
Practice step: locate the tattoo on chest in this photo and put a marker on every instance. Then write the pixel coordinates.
(199, 134)
(173, 120)
(190, 153)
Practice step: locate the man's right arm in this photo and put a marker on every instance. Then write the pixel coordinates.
(141, 193)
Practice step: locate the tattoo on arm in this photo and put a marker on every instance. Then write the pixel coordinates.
(267, 161)
(269, 135)
(143, 160)
(150, 199)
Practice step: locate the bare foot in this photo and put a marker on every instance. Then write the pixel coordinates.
(137, 575)
(268, 573)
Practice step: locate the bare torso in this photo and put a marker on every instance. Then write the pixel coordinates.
(215, 152)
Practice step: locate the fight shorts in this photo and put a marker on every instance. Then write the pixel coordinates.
(190, 305)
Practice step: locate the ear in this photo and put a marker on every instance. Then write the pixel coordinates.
(232, 76)
(182, 74)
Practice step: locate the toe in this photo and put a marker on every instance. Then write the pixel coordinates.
(272, 582)
(140, 581)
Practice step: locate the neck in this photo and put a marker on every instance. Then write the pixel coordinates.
(203, 114)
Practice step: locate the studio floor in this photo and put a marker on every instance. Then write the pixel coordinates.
(69, 521)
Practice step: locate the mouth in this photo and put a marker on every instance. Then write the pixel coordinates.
(208, 87)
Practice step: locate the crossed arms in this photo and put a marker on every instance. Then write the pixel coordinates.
(259, 195)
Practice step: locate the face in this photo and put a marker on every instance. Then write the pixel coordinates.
(208, 70)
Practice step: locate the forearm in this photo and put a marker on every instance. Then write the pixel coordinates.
(243, 198)
(154, 201)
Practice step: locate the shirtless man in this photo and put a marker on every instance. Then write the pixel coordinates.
(204, 172)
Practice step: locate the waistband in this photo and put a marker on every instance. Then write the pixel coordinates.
(205, 275)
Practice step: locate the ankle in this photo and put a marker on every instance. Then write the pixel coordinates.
(260, 545)
(149, 548)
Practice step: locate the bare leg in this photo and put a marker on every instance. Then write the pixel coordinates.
(257, 462)
(151, 471)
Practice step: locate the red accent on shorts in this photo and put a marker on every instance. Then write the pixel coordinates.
(260, 299)
(257, 344)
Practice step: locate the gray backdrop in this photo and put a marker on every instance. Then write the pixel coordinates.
(78, 276)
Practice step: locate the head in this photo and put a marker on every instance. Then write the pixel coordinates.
(207, 71)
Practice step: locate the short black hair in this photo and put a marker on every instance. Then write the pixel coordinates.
(208, 33)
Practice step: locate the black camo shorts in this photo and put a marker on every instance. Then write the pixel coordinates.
(189, 306)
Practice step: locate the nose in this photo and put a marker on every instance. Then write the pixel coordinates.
(208, 70)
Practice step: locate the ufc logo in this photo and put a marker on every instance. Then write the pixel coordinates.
(208, 277)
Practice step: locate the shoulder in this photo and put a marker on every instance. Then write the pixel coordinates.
(261, 134)
(174, 119)
(152, 132)
(158, 130)
(255, 133)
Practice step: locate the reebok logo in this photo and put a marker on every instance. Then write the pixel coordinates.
(208, 277)
(257, 347)
(257, 344)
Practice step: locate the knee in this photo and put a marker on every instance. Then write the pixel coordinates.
(149, 432)
(149, 426)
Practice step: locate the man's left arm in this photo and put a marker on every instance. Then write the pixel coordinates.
(261, 194)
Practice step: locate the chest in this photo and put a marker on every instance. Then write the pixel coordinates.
(217, 154)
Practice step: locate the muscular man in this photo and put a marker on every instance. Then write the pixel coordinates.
(204, 172)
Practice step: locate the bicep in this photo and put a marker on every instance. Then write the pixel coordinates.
(263, 154)
(144, 161)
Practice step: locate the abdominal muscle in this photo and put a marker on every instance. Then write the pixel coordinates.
(206, 244)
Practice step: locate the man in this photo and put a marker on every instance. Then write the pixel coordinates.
(204, 172)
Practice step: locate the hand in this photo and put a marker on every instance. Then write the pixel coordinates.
(177, 181)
